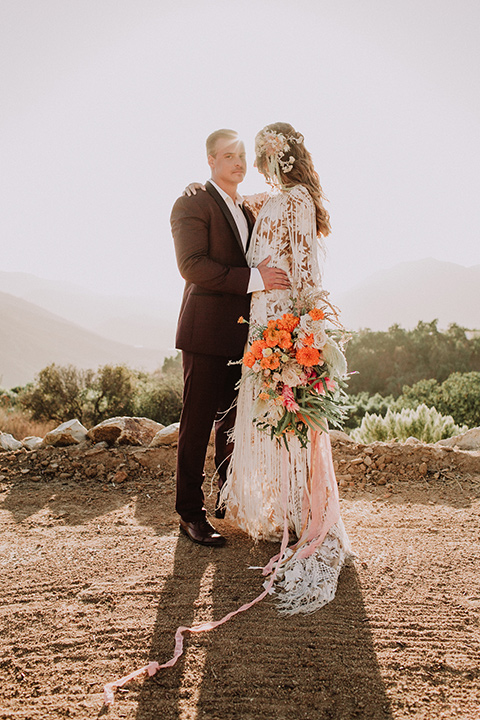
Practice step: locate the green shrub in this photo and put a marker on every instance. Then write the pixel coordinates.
(160, 398)
(424, 423)
(58, 393)
(111, 393)
(62, 393)
(458, 396)
(363, 403)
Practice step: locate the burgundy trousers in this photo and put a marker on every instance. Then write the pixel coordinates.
(209, 392)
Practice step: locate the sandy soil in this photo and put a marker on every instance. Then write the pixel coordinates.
(95, 579)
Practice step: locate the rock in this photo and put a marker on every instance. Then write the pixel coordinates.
(367, 460)
(71, 432)
(467, 441)
(8, 442)
(413, 441)
(166, 436)
(125, 431)
(339, 435)
(31, 442)
(423, 469)
(120, 476)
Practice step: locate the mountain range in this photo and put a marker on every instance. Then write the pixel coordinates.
(31, 338)
(43, 321)
(425, 290)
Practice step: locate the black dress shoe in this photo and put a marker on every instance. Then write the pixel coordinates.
(219, 508)
(202, 532)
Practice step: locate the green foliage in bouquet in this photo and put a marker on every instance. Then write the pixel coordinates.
(425, 424)
(298, 370)
(316, 412)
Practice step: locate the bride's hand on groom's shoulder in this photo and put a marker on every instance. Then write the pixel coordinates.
(192, 189)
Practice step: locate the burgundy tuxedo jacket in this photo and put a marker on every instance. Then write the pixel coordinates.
(211, 259)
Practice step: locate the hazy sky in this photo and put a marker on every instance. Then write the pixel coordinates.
(105, 106)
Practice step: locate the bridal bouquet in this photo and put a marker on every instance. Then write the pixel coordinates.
(300, 371)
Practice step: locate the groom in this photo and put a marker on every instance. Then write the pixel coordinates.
(211, 231)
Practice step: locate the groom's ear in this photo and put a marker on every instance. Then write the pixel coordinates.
(211, 161)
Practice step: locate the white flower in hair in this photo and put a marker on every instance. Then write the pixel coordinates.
(274, 146)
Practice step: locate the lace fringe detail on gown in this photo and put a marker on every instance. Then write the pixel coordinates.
(268, 486)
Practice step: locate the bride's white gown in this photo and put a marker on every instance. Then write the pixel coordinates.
(266, 483)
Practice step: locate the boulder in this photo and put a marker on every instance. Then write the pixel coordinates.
(469, 440)
(71, 432)
(125, 431)
(8, 442)
(31, 442)
(413, 441)
(166, 436)
(338, 435)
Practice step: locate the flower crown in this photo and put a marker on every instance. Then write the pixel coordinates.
(274, 145)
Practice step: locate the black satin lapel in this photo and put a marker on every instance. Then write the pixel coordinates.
(250, 219)
(228, 215)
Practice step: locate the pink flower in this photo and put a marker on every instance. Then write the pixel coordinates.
(288, 399)
(319, 387)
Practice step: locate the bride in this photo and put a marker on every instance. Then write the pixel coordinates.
(271, 489)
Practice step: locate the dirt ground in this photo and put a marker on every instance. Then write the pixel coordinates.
(95, 579)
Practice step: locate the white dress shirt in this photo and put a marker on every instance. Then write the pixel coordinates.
(255, 284)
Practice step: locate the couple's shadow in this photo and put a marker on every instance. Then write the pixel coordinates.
(259, 665)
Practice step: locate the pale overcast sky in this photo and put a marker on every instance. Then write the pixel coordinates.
(105, 106)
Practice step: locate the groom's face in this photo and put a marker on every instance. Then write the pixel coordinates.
(229, 163)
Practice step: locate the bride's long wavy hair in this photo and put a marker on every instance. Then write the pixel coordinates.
(302, 171)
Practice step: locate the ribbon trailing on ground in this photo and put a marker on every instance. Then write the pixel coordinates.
(321, 512)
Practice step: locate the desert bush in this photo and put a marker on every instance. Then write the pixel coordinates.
(363, 403)
(424, 423)
(173, 365)
(159, 397)
(458, 396)
(63, 393)
(111, 392)
(58, 393)
(8, 398)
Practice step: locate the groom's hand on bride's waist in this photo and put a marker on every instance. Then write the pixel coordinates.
(273, 278)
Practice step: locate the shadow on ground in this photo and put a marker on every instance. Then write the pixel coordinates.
(260, 665)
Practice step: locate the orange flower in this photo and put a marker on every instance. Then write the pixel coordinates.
(308, 339)
(271, 334)
(288, 322)
(270, 363)
(263, 396)
(284, 340)
(249, 359)
(257, 347)
(307, 356)
(316, 314)
(241, 320)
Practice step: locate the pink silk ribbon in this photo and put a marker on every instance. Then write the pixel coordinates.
(153, 667)
(321, 511)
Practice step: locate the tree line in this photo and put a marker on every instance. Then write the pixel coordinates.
(391, 372)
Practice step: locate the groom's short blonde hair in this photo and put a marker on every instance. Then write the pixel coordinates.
(213, 138)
